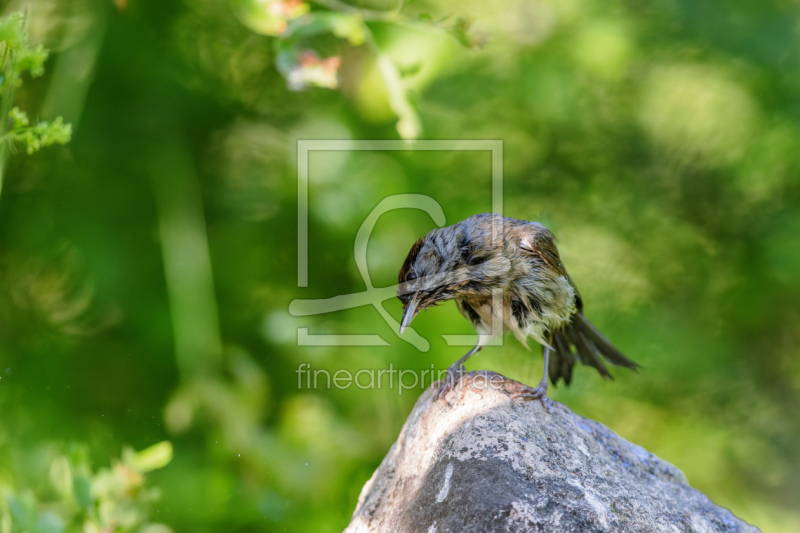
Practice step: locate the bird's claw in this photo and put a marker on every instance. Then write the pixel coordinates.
(527, 394)
(454, 374)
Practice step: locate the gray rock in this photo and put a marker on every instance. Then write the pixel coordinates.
(488, 462)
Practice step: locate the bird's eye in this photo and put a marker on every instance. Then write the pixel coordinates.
(411, 276)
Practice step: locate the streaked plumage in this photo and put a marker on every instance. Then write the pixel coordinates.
(537, 298)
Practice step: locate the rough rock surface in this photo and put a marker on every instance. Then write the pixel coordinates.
(490, 463)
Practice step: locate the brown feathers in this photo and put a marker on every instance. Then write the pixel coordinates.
(474, 259)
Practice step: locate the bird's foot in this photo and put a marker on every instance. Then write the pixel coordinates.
(526, 394)
(454, 374)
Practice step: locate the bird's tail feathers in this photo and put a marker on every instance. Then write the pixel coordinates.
(591, 349)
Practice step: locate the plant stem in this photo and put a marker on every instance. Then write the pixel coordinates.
(394, 16)
(8, 90)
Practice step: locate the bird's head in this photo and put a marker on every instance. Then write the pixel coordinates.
(431, 274)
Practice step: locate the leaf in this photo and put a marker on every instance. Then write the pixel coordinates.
(19, 57)
(270, 17)
(151, 458)
(22, 509)
(409, 70)
(82, 488)
(61, 476)
(12, 30)
(31, 60)
(19, 119)
(49, 522)
(342, 25)
(5, 518)
(408, 123)
(467, 34)
(155, 528)
(349, 27)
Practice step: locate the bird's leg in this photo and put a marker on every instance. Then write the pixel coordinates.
(455, 371)
(540, 392)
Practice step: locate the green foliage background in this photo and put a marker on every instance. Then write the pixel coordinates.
(146, 268)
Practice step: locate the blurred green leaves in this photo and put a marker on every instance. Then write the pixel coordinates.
(38, 136)
(80, 499)
(17, 58)
(659, 142)
(698, 115)
(301, 36)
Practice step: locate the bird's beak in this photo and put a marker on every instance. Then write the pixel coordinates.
(408, 314)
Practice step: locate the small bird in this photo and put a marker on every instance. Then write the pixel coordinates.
(505, 274)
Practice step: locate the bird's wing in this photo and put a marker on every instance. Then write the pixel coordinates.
(537, 241)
